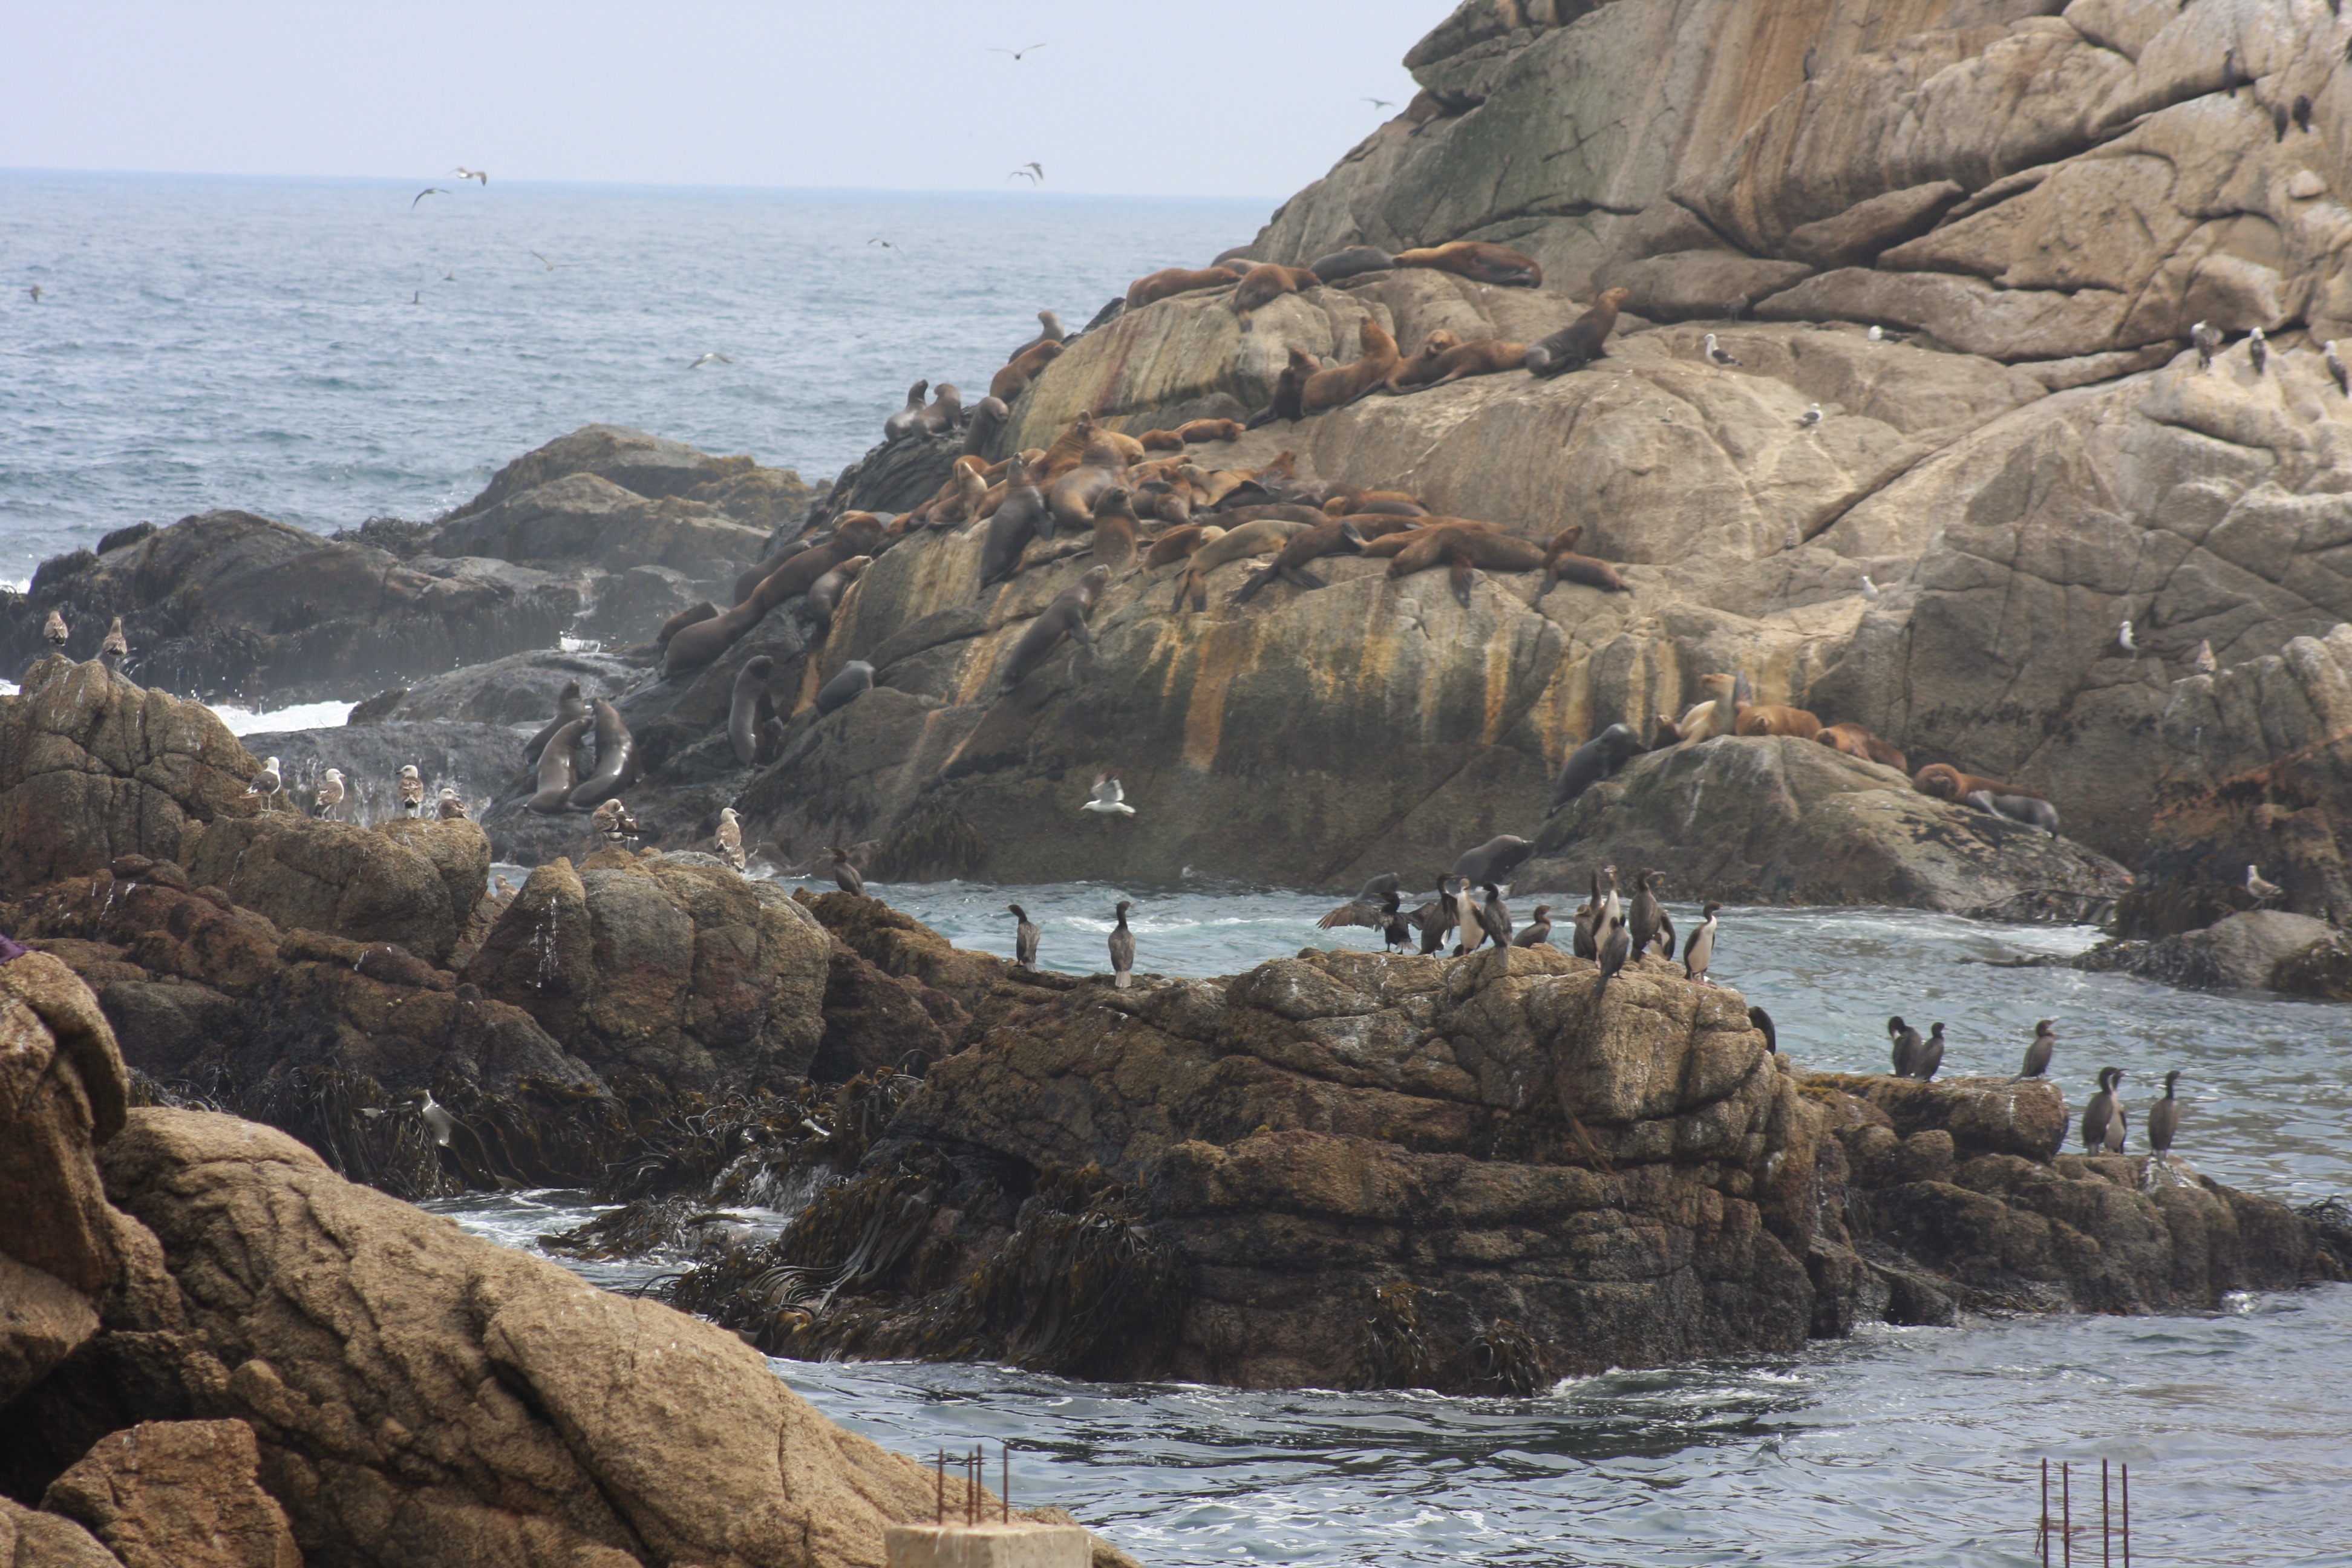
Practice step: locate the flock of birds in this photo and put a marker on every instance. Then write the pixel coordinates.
(2104, 1116)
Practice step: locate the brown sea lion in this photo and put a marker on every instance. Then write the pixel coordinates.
(1262, 537)
(944, 413)
(1023, 515)
(1716, 713)
(1284, 510)
(1777, 719)
(1050, 331)
(1489, 356)
(1667, 733)
(1479, 262)
(1072, 497)
(901, 425)
(743, 713)
(1336, 388)
(677, 623)
(1115, 529)
(1374, 526)
(1067, 450)
(1064, 618)
(1158, 499)
(1193, 430)
(752, 577)
(1580, 343)
(1416, 370)
(616, 759)
(1179, 542)
(1009, 382)
(987, 419)
(1267, 283)
(1350, 262)
(1461, 548)
(1562, 563)
(824, 594)
(1289, 386)
(1161, 441)
(969, 494)
(1856, 742)
(1337, 537)
(1946, 782)
(1154, 287)
(697, 645)
(558, 768)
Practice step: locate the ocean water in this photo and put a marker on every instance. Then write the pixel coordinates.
(1901, 1446)
(322, 351)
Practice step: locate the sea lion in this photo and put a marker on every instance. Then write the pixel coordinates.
(1260, 536)
(1337, 537)
(987, 418)
(616, 759)
(1665, 733)
(1561, 564)
(701, 611)
(743, 707)
(1492, 861)
(1462, 548)
(1154, 287)
(1479, 262)
(1375, 526)
(704, 641)
(1856, 742)
(1488, 356)
(1023, 514)
(2030, 809)
(1416, 370)
(1115, 529)
(1064, 618)
(1352, 262)
(1336, 388)
(901, 425)
(1067, 450)
(1072, 497)
(968, 495)
(750, 579)
(569, 705)
(824, 594)
(945, 412)
(1178, 543)
(1169, 503)
(1597, 759)
(556, 769)
(855, 677)
(1777, 719)
(1714, 714)
(1050, 331)
(1267, 283)
(1580, 343)
(1193, 430)
(1013, 379)
(1946, 782)
(1289, 386)
(1161, 441)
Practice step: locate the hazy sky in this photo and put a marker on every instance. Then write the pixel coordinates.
(1234, 97)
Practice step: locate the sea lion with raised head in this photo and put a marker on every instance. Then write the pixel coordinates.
(677, 623)
(1856, 742)
(1115, 529)
(1715, 714)
(743, 707)
(1562, 563)
(1337, 537)
(1071, 498)
(1262, 536)
(987, 418)
(944, 413)
(1488, 356)
(1339, 387)
(1064, 618)
(1067, 451)
(1492, 861)
(1154, 287)
(1013, 379)
(903, 423)
(1479, 262)
(1267, 283)
(557, 769)
(1352, 262)
(1597, 759)
(967, 496)
(1022, 513)
(750, 577)
(569, 705)
(616, 759)
(1582, 341)
(1179, 542)
(704, 641)
(1050, 331)
(1416, 369)
(1289, 386)
(855, 677)
(824, 594)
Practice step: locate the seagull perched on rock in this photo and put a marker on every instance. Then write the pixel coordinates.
(2202, 662)
(1811, 417)
(330, 791)
(1877, 334)
(2258, 349)
(452, 808)
(2208, 343)
(1109, 798)
(267, 784)
(411, 789)
(1869, 590)
(116, 647)
(613, 820)
(712, 358)
(730, 838)
(2263, 891)
(53, 630)
(1716, 354)
(2125, 640)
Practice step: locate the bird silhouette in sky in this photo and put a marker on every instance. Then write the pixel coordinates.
(427, 191)
(886, 244)
(465, 173)
(1380, 102)
(552, 265)
(710, 359)
(1033, 173)
(1016, 54)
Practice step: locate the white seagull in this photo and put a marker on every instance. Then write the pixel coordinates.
(712, 358)
(1869, 590)
(1716, 354)
(2125, 640)
(1109, 798)
(2263, 891)
(330, 791)
(2258, 349)
(265, 783)
(411, 789)
(1811, 417)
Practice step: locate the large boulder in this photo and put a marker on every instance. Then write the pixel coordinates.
(414, 882)
(673, 966)
(2261, 950)
(650, 467)
(178, 1494)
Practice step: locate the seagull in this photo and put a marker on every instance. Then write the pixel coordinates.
(463, 172)
(436, 1118)
(1016, 54)
(265, 783)
(1869, 590)
(1877, 334)
(2336, 369)
(427, 191)
(713, 358)
(116, 647)
(1716, 354)
(330, 791)
(2202, 662)
(613, 820)
(2207, 342)
(551, 265)
(1380, 102)
(2125, 640)
(53, 628)
(887, 244)
(501, 888)
(1109, 798)
(2263, 891)
(36, 291)
(1034, 172)
(452, 808)
(2258, 349)
(411, 790)
(1812, 416)
(730, 838)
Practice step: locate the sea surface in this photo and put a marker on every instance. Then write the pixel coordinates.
(323, 351)
(1899, 1447)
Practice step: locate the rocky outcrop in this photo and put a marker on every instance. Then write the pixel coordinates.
(31, 1539)
(178, 1494)
(649, 467)
(2261, 950)
(1776, 820)
(475, 760)
(414, 882)
(673, 966)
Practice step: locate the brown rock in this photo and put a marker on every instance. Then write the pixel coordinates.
(29, 1538)
(178, 1494)
(414, 882)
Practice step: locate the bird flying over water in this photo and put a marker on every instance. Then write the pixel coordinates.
(1016, 54)
(1109, 798)
(427, 191)
(710, 359)
(463, 172)
(887, 245)
(552, 265)
(1032, 172)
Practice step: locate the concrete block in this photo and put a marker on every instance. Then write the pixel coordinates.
(1018, 1544)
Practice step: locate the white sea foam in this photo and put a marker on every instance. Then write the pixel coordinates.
(301, 716)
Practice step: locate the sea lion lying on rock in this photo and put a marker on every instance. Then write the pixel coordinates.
(1013, 379)
(1580, 343)
(1460, 546)
(1064, 618)
(1946, 782)
(1489, 356)
(1337, 537)
(1154, 287)
(1775, 718)
(1478, 261)
(1267, 283)
(2030, 809)
(1352, 262)
(1561, 564)
(1339, 387)
(1856, 742)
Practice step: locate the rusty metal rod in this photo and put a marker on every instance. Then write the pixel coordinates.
(2066, 1513)
(2105, 1553)
(2043, 1533)
(2126, 1515)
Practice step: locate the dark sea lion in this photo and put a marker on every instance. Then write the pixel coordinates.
(1856, 742)
(678, 623)
(2030, 809)
(1284, 510)
(1337, 537)
(1164, 500)
(616, 759)
(1489, 356)
(1178, 543)
(569, 706)
(1193, 430)
(1350, 263)
(749, 581)
(1597, 759)
(1374, 526)
(987, 418)
(1233, 253)
(1115, 529)
(1013, 379)
(556, 771)
(1580, 343)
(855, 677)
(1267, 283)
(1946, 782)
(1288, 386)
(1022, 513)
(1064, 618)
(1154, 287)
(1460, 547)
(1562, 563)
(1479, 262)
(824, 594)
(945, 412)
(1492, 861)
(903, 423)
(1050, 331)
(1339, 387)
(743, 707)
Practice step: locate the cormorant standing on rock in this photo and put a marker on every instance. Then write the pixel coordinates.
(1616, 946)
(845, 874)
(2037, 1055)
(2164, 1117)
(1025, 938)
(1699, 950)
(1931, 1055)
(2103, 1117)
(1122, 951)
(1538, 933)
(1494, 919)
(1648, 917)
(1907, 1045)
